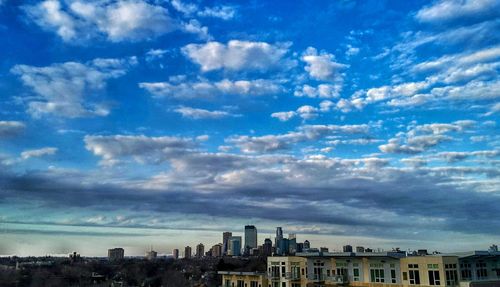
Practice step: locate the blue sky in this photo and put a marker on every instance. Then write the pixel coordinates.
(137, 123)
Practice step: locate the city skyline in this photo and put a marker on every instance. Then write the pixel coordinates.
(138, 123)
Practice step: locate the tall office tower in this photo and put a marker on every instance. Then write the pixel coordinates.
(250, 238)
(307, 245)
(225, 242)
(347, 248)
(175, 253)
(267, 247)
(300, 247)
(360, 249)
(278, 241)
(116, 254)
(187, 252)
(216, 250)
(200, 250)
(292, 244)
(234, 246)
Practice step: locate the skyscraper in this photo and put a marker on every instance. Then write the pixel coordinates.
(267, 248)
(307, 245)
(200, 250)
(278, 240)
(292, 243)
(250, 237)
(217, 250)
(225, 241)
(116, 254)
(187, 252)
(175, 253)
(234, 246)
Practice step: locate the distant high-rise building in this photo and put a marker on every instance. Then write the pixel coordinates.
(250, 237)
(151, 254)
(347, 248)
(292, 244)
(225, 241)
(116, 254)
(200, 250)
(278, 241)
(187, 252)
(234, 248)
(300, 247)
(175, 253)
(74, 257)
(267, 247)
(216, 250)
(360, 249)
(307, 245)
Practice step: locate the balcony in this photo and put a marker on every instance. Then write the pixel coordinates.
(273, 276)
(316, 277)
(292, 276)
(340, 279)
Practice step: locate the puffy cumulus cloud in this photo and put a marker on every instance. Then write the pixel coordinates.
(142, 149)
(27, 154)
(306, 112)
(66, 89)
(11, 128)
(322, 66)
(236, 55)
(206, 89)
(194, 27)
(321, 91)
(193, 113)
(449, 10)
(422, 137)
(272, 143)
(74, 21)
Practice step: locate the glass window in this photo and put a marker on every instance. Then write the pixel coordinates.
(414, 277)
(393, 276)
(434, 277)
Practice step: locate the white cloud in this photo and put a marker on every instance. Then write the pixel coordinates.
(75, 21)
(25, 155)
(236, 55)
(322, 66)
(420, 138)
(447, 10)
(205, 89)
(64, 89)
(195, 27)
(321, 91)
(221, 12)
(10, 128)
(140, 148)
(351, 51)
(284, 116)
(193, 113)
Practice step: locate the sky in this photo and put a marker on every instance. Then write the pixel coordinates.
(135, 123)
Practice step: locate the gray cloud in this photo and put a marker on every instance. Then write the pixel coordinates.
(10, 128)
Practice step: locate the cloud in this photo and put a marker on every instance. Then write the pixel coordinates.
(65, 89)
(236, 55)
(195, 27)
(272, 143)
(321, 91)
(11, 128)
(74, 21)
(450, 156)
(449, 10)
(141, 148)
(27, 154)
(223, 12)
(206, 89)
(421, 138)
(193, 113)
(322, 66)
(284, 116)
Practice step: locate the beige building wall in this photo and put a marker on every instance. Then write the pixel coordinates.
(244, 280)
(426, 264)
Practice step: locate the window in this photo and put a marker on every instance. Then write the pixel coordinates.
(296, 285)
(432, 266)
(240, 283)
(283, 271)
(405, 276)
(451, 277)
(393, 275)
(228, 283)
(377, 275)
(466, 271)
(254, 284)
(355, 273)
(283, 284)
(481, 270)
(414, 277)
(434, 277)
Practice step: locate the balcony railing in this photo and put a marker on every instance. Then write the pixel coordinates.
(316, 277)
(273, 276)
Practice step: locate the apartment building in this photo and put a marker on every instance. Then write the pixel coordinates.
(290, 271)
(243, 279)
